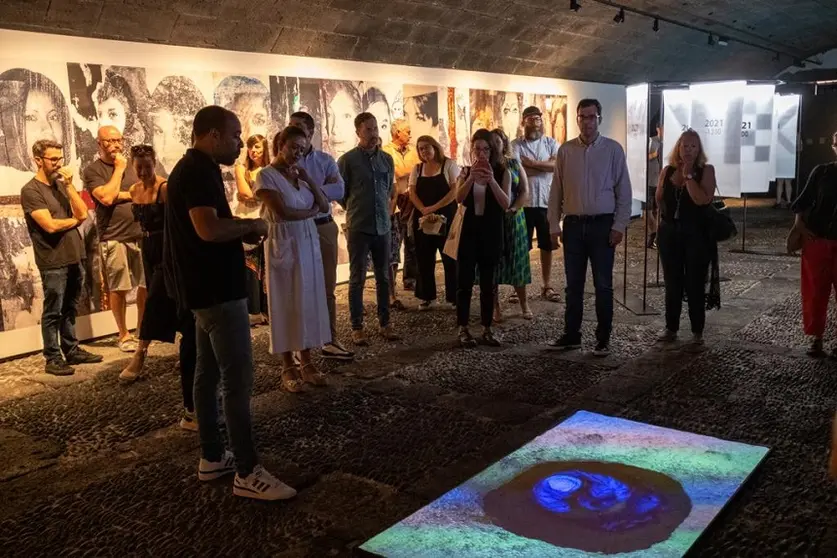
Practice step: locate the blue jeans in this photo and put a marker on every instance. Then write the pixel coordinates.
(587, 238)
(360, 245)
(62, 292)
(225, 355)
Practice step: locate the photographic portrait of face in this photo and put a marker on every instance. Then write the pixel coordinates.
(249, 99)
(174, 103)
(31, 108)
(510, 114)
(112, 112)
(423, 114)
(343, 105)
(381, 112)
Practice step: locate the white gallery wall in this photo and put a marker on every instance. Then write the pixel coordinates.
(68, 62)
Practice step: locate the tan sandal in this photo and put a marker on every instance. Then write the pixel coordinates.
(133, 371)
(290, 382)
(311, 375)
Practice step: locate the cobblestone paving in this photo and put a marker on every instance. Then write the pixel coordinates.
(93, 468)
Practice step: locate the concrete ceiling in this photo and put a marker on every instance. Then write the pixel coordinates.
(527, 37)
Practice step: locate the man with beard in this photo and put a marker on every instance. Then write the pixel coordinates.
(204, 261)
(109, 179)
(537, 153)
(53, 211)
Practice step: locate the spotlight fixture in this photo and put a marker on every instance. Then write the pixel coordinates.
(711, 40)
(574, 5)
(723, 41)
(620, 17)
(799, 63)
(776, 57)
(656, 26)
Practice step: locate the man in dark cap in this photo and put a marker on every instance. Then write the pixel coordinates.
(537, 153)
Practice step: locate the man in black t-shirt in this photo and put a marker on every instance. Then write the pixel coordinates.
(205, 258)
(109, 179)
(53, 211)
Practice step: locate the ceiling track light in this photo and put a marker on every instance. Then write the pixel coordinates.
(574, 5)
(723, 41)
(711, 40)
(620, 17)
(776, 57)
(656, 26)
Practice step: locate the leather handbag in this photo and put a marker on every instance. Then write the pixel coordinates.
(721, 225)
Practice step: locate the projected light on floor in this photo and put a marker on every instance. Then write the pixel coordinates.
(593, 485)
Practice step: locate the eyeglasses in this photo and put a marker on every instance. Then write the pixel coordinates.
(113, 141)
(52, 159)
(482, 150)
(590, 118)
(533, 119)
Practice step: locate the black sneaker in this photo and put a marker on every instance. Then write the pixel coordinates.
(59, 368)
(466, 340)
(566, 343)
(80, 356)
(816, 349)
(602, 349)
(489, 340)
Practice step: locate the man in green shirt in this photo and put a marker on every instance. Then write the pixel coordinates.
(368, 174)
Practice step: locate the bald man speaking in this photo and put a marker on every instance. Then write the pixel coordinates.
(108, 179)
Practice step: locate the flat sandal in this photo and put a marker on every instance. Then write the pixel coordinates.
(316, 378)
(291, 384)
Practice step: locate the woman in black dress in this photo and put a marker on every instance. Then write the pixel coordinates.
(484, 190)
(162, 318)
(685, 188)
(432, 188)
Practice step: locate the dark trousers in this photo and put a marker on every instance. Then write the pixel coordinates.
(360, 246)
(685, 258)
(472, 254)
(410, 271)
(62, 292)
(188, 358)
(427, 246)
(587, 238)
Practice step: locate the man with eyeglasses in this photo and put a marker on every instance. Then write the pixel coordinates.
(537, 152)
(109, 179)
(53, 211)
(591, 190)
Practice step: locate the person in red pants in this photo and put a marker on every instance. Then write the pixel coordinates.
(816, 222)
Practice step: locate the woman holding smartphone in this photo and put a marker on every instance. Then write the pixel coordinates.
(295, 281)
(484, 190)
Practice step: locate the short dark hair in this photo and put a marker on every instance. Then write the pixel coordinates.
(305, 117)
(485, 135)
(210, 118)
(39, 147)
(584, 103)
(361, 118)
(143, 151)
(288, 134)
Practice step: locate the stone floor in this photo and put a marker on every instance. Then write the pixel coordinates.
(92, 468)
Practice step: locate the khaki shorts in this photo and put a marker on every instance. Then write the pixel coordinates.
(122, 262)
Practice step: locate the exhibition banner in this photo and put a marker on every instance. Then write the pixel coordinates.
(757, 139)
(785, 135)
(677, 117)
(637, 140)
(717, 114)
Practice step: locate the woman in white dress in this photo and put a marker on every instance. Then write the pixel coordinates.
(295, 281)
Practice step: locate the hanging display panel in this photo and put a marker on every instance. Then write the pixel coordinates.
(636, 151)
(786, 135)
(757, 139)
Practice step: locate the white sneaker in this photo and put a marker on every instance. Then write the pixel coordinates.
(211, 470)
(261, 485)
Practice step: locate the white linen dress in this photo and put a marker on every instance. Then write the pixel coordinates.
(294, 271)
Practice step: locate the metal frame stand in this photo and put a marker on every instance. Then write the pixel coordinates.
(631, 301)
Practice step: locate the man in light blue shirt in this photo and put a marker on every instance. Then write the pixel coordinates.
(537, 152)
(322, 169)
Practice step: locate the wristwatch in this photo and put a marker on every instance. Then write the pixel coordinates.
(690, 176)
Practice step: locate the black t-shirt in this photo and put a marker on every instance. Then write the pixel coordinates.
(115, 222)
(204, 273)
(818, 202)
(52, 250)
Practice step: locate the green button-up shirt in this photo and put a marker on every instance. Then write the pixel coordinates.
(369, 178)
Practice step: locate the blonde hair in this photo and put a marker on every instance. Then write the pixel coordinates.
(674, 159)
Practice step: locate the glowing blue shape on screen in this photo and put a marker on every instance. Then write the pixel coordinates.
(595, 492)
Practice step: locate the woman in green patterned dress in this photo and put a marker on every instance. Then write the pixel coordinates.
(513, 268)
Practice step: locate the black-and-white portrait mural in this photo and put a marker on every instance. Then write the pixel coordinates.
(425, 108)
(174, 101)
(291, 94)
(108, 96)
(496, 109)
